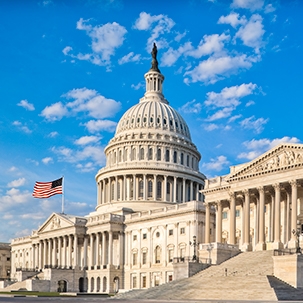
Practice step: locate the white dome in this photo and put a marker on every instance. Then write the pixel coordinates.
(153, 115)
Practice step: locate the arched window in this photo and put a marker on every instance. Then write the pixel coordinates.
(187, 160)
(159, 190)
(158, 255)
(112, 191)
(150, 153)
(150, 189)
(182, 158)
(133, 153)
(141, 189)
(175, 157)
(141, 153)
(120, 155)
(167, 156)
(125, 155)
(159, 154)
(118, 190)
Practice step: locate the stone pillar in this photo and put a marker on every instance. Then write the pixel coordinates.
(75, 265)
(247, 245)
(99, 193)
(85, 252)
(103, 191)
(165, 189)
(155, 187)
(261, 244)
(91, 247)
(64, 252)
(110, 248)
(294, 197)
(103, 248)
(33, 258)
(277, 240)
(219, 222)
(44, 253)
(97, 251)
(134, 188)
(121, 240)
(288, 229)
(124, 189)
(232, 218)
(207, 223)
(126, 248)
(54, 262)
(49, 252)
(59, 252)
(116, 188)
(191, 191)
(175, 190)
(256, 228)
(184, 191)
(40, 254)
(176, 235)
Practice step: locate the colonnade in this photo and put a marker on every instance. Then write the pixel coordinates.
(148, 187)
(256, 202)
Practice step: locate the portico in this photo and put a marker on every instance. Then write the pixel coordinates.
(259, 203)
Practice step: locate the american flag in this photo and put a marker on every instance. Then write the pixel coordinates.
(44, 190)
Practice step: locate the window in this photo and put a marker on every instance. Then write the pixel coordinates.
(182, 158)
(120, 155)
(224, 215)
(141, 153)
(150, 153)
(159, 190)
(182, 230)
(144, 257)
(134, 237)
(237, 212)
(187, 160)
(118, 190)
(182, 253)
(170, 255)
(150, 189)
(168, 188)
(133, 155)
(170, 232)
(167, 156)
(159, 154)
(170, 278)
(141, 189)
(157, 255)
(144, 236)
(175, 157)
(112, 191)
(157, 234)
(135, 256)
(134, 282)
(144, 282)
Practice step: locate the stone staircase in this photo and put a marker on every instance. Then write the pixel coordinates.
(247, 276)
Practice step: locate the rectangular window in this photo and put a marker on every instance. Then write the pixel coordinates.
(170, 232)
(134, 258)
(134, 282)
(182, 230)
(144, 282)
(144, 255)
(224, 215)
(170, 278)
(150, 153)
(134, 237)
(170, 256)
(237, 212)
(144, 236)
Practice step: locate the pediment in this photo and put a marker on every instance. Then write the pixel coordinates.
(281, 157)
(55, 221)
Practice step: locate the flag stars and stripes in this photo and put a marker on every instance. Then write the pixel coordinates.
(44, 190)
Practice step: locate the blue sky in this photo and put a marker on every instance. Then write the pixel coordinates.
(70, 69)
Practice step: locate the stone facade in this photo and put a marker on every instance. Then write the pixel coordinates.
(5, 260)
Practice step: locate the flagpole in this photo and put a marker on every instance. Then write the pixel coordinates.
(62, 194)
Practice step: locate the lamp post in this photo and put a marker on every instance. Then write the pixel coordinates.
(194, 244)
(209, 249)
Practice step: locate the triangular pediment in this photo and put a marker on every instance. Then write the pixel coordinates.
(55, 221)
(282, 157)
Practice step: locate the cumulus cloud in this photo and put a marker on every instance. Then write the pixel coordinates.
(229, 96)
(47, 160)
(17, 183)
(211, 127)
(25, 104)
(191, 107)
(214, 69)
(94, 126)
(105, 39)
(14, 196)
(220, 114)
(257, 147)
(252, 123)
(233, 19)
(87, 140)
(22, 127)
(157, 24)
(85, 100)
(216, 164)
(131, 57)
(138, 86)
(172, 55)
(252, 5)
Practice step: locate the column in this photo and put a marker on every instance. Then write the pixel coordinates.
(294, 198)
(103, 248)
(155, 187)
(75, 265)
(256, 227)
(191, 191)
(165, 189)
(116, 188)
(247, 245)
(59, 252)
(97, 251)
(126, 248)
(99, 193)
(277, 222)
(125, 197)
(110, 248)
(33, 258)
(103, 191)
(85, 252)
(184, 191)
(232, 218)
(144, 187)
(219, 222)
(40, 254)
(134, 188)
(109, 198)
(175, 190)
(64, 252)
(121, 238)
(91, 247)
(54, 252)
(261, 244)
(207, 223)
(176, 235)
(44, 253)
(288, 229)
(50, 252)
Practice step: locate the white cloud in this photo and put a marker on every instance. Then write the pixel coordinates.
(131, 57)
(250, 103)
(54, 112)
(105, 40)
(94, 126)
(269, 8)
(180, 36)
(87, 140)
(216, 164)
(257, 147)
(138, 86)
(248, 4)
(25, 104)
(13, 168)
(220, 114)
(17, 183)
(53, 134)
(88, 167)
(233, 19)
(157, 24)
(234, 118)
(252, 32)
(229, 96)
(191, 107)
(171, 56)
(255, 124)
(87, 101)
(214, 69)
(14, 196)
(211, 127)
(47, 160)
(22, 127)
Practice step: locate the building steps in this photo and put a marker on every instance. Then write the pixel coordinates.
(247, 276)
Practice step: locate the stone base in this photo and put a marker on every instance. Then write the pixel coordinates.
(277, 245)
(246, 247)
(260, 246)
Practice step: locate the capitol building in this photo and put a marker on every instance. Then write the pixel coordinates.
(158, 218)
